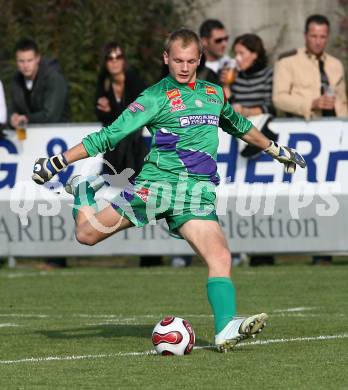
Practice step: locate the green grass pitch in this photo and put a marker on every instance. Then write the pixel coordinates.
(90, 328)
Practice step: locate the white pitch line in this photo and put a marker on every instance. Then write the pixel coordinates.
(41, 273)
(294, 309)
(295, 315)
(106, 317)
(8, 325)
(25, 315)
(139, 319)
(279, 341)
(55, 273)
(77, 357)
(152, 352)
(118, 317)
(109, 319)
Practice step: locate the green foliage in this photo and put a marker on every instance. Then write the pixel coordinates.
(75, 31)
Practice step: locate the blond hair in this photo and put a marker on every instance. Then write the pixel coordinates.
(187, 37)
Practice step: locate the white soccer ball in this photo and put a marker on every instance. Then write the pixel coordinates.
(173, 336)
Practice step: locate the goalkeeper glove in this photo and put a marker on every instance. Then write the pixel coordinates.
(287, 156)
(46, 168)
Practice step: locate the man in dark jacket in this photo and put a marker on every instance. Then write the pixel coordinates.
(39, 90)
(39, 95)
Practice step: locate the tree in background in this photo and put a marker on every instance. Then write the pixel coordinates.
(75, 31)
(341, 43)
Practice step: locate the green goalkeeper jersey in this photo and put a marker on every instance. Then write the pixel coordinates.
(183, 121)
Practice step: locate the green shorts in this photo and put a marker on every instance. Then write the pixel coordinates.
(176, 201)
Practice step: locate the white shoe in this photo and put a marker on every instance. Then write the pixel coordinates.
(239, 329)
(95, 181)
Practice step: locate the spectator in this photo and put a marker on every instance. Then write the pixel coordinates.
(204, 73)
(309, 83)
(213, 68)
(39, 95)
(3, 117)
(39, 90)
(214, 40)
(251, 92)
(118, 86)
(3, 109)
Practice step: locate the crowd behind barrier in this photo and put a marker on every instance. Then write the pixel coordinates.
(307, 83)
(257, 204)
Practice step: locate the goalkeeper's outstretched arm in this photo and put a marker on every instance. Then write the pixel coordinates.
(287, 156)
(107, 138)
(256, 138)
(238, 126)
(46, 168)
(76, 153)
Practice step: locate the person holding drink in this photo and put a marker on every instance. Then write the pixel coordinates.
(39, 95)
(39, 89)
(248, 85)
(250, 88)
(308, 81)
(214, 40)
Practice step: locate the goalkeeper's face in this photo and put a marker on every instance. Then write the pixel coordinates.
(182, 61)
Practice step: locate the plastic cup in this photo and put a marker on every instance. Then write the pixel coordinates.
(329, 91)
(231, 68)
(21, 131)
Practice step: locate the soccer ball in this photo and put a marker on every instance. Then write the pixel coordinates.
(173, 336)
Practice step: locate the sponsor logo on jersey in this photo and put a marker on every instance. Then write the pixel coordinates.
(192, 120)
(198, 103)
(214, 101)
(135, 106)
(210, 90)
(177, 105)
(143, 193)
(173, 93)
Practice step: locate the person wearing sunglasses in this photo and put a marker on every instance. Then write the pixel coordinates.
(118, 85)
(214, 39)
(310, 83)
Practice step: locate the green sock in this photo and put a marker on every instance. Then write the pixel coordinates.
(84, 197)
(222, 298)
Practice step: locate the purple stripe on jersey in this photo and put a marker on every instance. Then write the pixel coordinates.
(128, 193)
(166, 141)
(197, 162)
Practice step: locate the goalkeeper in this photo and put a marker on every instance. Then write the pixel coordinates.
(178, 179)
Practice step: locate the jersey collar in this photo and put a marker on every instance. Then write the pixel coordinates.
(179, 85)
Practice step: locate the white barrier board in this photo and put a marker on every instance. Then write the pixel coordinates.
(261, 209)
